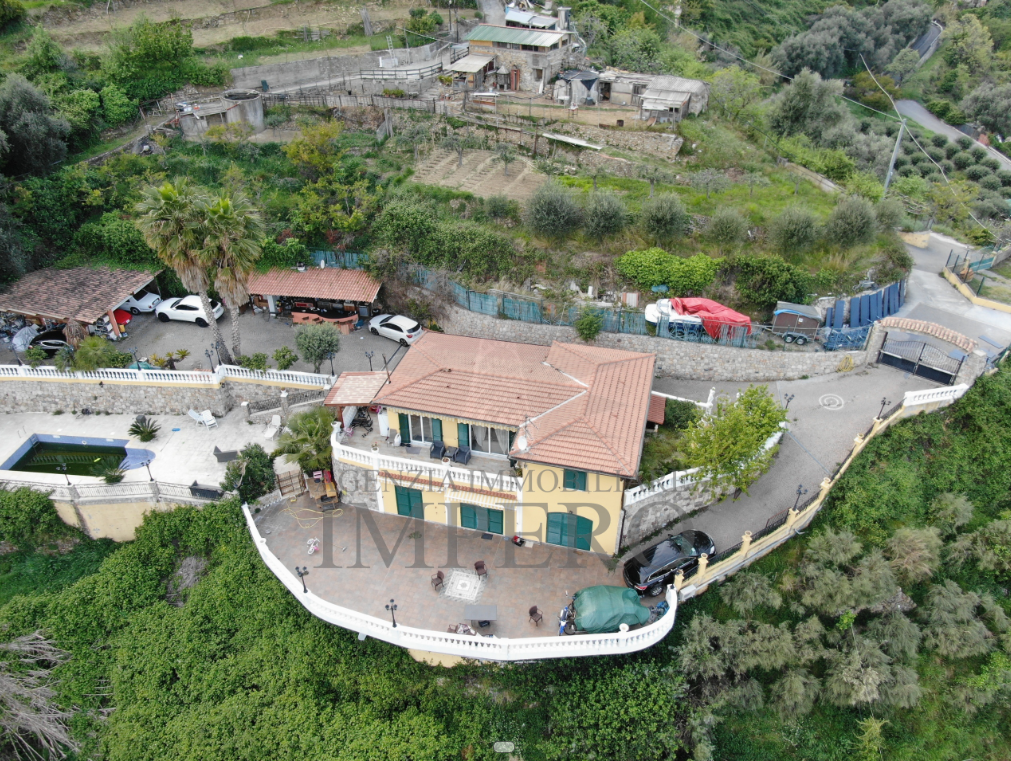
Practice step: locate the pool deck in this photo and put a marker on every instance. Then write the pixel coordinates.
(181, 456)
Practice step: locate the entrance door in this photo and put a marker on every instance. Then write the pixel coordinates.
(481, 518)
(921, 359)
(409, 502)
(568, 530)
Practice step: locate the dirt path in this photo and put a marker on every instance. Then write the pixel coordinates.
(480, 174)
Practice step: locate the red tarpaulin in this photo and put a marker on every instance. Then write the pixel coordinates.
(713, 315)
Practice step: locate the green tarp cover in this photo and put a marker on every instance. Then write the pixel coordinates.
(603, 609)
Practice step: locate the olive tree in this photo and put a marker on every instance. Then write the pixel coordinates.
(664, 218)
(316, 342)
(851, 223)
(605, 215)
(553, 212)
(794, 231)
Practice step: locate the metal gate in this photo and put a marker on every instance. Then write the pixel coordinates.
(290, 482)
(922, 359)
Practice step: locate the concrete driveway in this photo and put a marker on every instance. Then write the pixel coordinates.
(825, 415)
(920, 115)
(932, 298)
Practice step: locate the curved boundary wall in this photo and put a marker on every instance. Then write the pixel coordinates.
(678, 359)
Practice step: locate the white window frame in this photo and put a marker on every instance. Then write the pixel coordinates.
(421, 423)
(502, 431)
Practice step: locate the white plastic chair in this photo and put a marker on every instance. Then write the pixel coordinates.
(197, 417)
(273, 427)
(208, 419)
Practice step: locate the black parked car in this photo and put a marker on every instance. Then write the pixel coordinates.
(50, 342)
(653, 569)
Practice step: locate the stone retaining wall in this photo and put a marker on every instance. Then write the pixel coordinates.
(677, 359)
(662, 509)
(131, 398)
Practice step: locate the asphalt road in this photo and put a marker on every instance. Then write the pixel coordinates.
(920, 115)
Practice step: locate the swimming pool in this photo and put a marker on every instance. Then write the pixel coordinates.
(80, 456)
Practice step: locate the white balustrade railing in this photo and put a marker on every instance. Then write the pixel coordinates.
(188, 377)
(462, 645)
(92, 492)
(672, 481)
(934, 395)
(445, 476)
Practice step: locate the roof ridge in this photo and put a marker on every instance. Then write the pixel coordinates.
(607, 444)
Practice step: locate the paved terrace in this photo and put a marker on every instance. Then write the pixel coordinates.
(355, 570)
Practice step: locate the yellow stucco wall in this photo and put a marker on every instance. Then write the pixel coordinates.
(118, 521)
(66, 512)
(600, 503)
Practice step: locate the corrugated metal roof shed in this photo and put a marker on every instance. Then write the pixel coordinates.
(471, 63)
(514, 35)
(530, 19)
(671, 91)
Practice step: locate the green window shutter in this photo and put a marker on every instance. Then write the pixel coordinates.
(410, 502)
(574, 480)
(495, 521)
(405, 429)
(468, 516)
(463, 432)
(557, 524)
(403, 500)
(436, 429)
(584, 531)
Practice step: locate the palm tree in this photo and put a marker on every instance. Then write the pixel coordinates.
(307, 440)
(233, 229)
(171, 219)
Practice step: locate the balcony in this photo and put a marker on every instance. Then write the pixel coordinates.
(487, 472)
(368, 558)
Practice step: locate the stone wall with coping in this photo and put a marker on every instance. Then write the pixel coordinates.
(17, 395)
(677, 359)
(645, 517)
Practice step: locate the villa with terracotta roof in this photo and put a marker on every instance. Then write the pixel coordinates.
(504, 438)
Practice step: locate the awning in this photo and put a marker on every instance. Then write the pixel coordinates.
(315, 283)
(356, 389)
(652, 104)
(471, 64)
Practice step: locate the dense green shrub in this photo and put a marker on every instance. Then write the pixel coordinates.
(588, 325)
(962, 160)
(28, 516)
(991, 163)
(654, 266)
(282, 255)
(851, 223)
(11, 11)
(605, 215)
(727, 228)
(977, 173)
(964, 142)
(978, 153)
(764, 280)
(990, 182)
(794, 231)
(950, 150)
(252, 475)
(679, 414)
(552, 212)
(113, 240)
(664, 218)
(116, 107)
(939, 140)
(1004, 175)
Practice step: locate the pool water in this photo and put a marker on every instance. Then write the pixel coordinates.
(80, 459)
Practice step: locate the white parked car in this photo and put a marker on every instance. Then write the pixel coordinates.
(140, 302)
(187, 309)
(395, 326)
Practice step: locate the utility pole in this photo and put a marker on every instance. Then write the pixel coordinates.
(895, 155)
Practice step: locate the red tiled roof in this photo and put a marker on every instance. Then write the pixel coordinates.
(354, 389)
(657, 409)
(315, 283)
(81, 293)
(577, 406)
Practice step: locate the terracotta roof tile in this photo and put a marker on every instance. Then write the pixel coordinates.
(315, 283)
(578, 406)
(81, 293)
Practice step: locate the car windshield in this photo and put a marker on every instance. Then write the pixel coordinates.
(684, 545)
(413, 328)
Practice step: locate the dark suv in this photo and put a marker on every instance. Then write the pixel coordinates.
(649, 572)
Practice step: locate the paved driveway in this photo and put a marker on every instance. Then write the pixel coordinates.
(825, 416)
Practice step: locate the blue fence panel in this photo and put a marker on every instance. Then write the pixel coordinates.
(521, 309)
(855, 312)
(485, 303)
(847, 338)
(865, 310)
(829, 315)
(840, 314)
(350, 260)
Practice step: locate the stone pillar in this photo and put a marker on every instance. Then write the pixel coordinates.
(679, 580)
(875, 341)
(284, 406)
(791, 518)
(245, 409)
(972, 367)
(703, 562)
(746, 543)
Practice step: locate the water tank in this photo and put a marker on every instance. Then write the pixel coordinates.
(244, 106)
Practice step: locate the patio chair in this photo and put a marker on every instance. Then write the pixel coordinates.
(481, 569)
(226, 455)
(275, 425)
(438, 450)
(462, 455)
(208, 419)
(438, 580)
(536, 616)
(196, 416)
